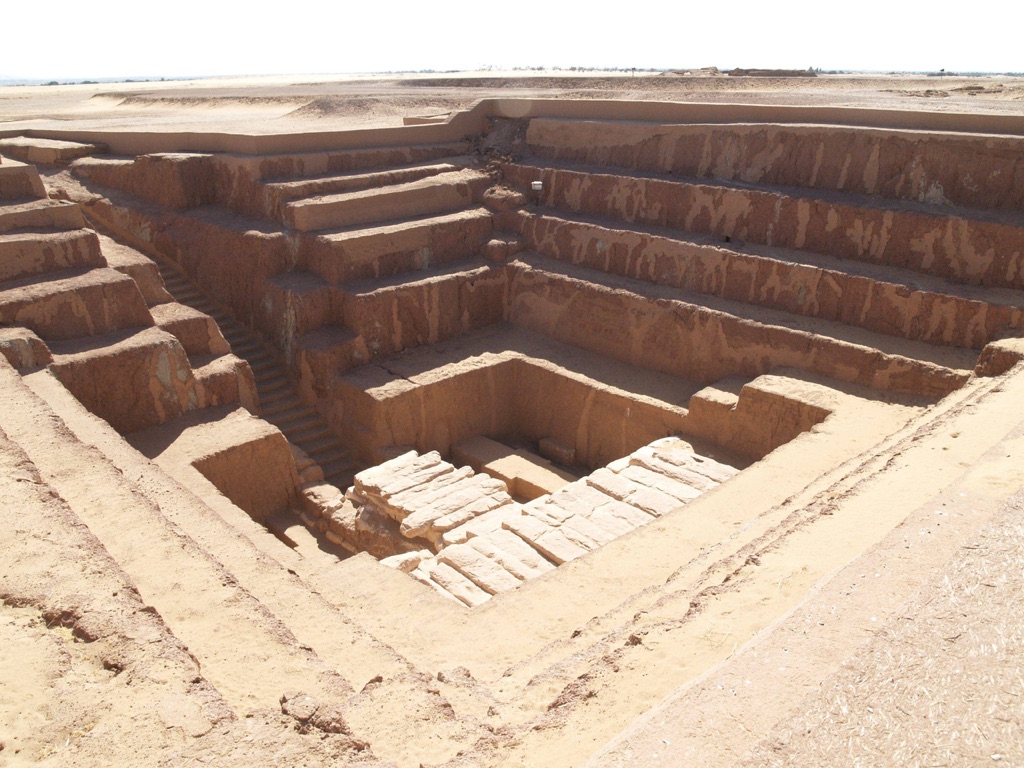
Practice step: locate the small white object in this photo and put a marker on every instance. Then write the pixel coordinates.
(536, 186)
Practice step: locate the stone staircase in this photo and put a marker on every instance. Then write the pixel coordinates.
(380, 250)
(280, 403)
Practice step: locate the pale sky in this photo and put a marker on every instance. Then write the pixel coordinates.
(80, 40)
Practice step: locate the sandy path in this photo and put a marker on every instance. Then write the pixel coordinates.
(718, 717)
(244, 652)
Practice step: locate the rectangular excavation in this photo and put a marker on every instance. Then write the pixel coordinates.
(663, 396)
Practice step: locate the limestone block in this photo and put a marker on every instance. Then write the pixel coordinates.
(482, 525)
(615, 485)
(678, 472)
(556, 451)
(490, 575)
(514, 554)
(669, 484)
(478, 451)
(361, 528)
(552, 511)
(586, 532)
(681, 455)
(197, 331)
(456, 584)
(464, 500)
(615, 525)
(407, 501)
(547, 540)
(654, 501)
(649, 498)
(578, 498)
(400, 473)
(320, 499)
(422, 575)
(528, 475)
(467, 514)
(310, 473)
(23, 349)
(407, 561)
(35, 253)
(620, 518)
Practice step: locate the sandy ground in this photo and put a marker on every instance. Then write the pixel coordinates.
(292, 104)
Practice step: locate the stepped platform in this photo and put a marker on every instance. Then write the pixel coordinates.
(225, 448)
(47, 151)
(546, 293)
(70, 304)
(38, 252)
(878, 297)
(929, 167)
(960, 244)
(380, 251)
(442, 193)
(138, 267)
(19, 181)
(106, 374)
(197, 332)
(40, 214)
(281, 193)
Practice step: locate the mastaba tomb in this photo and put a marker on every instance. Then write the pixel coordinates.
(513, 438)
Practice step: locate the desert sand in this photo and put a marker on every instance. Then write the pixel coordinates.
(360, 451)
(289, 104)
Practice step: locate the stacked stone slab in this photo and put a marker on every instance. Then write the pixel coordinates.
(499, 544)
(426, 496)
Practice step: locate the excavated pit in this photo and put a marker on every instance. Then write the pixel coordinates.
(407, 351)
(591, 331)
